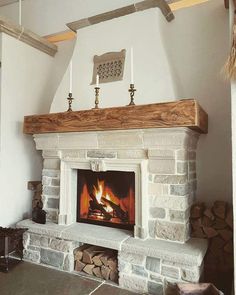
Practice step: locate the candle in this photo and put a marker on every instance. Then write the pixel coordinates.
(132, 64)
(20, 12)
(97, 81)
(71, 69)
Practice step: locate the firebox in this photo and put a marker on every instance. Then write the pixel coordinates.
(106, 198)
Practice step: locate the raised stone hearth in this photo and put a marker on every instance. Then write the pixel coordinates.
(164, 164)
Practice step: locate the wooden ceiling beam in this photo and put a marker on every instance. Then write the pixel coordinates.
(185, 4)
(61, 36)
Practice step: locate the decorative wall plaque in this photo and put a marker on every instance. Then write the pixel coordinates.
(109, 66)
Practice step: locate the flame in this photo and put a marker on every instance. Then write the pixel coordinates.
(104, 191)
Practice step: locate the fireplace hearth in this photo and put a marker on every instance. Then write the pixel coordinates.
(106, 198)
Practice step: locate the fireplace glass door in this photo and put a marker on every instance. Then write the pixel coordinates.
(106, 198)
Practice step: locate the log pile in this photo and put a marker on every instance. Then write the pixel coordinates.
(216, 225)
(97, 261)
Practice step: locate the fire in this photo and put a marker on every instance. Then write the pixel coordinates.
(106, 193)
(103, 204)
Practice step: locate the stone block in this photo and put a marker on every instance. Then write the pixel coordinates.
(161, 166)
(153, 264)
(179, 189)
(161, 154)
(55, 182)
(182, 155)
(53, 203)
(51, 190)
(39, 241)
(46, 141)
(132, 258)
(77, 140)
(168, 139)
(179, 216)
(26, 239)
(192, 166)
(132, 282)
(158, 189)
(192, 155)
(51, 173)
(139, 270)
(171, 272)
(46, 180)
(157, 212)
(156, 278)
(170, 202)
(73, 154)
(51, 154)
(51, 164)
(30, 255)
(120, 139)
(171, 179)
(52, 215)
(182, 167)
(191, 275)
(132, 154)
(101, 154)
(69, 263)
(171, 231)
(60, 245)
(33, 248)
(154, 288)
(192, 176)
(52, 258)
(124, 266)
(150, 177)
(151, 227)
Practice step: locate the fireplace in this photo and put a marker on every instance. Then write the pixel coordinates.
(106, 198)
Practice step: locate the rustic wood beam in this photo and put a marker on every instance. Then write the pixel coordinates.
(147, 4)
(61, 36)
(176, 5)
(226, 4)
(182, 113)
(27, 36)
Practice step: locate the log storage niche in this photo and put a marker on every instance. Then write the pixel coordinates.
(97, 261)
(106, 198)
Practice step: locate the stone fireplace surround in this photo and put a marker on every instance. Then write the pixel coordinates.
(164, 162)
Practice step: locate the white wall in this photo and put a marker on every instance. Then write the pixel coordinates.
(24, 76)
(181, 59)
(152, 75)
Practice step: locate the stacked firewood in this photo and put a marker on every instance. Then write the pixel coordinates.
(98, 261)
(216, 225)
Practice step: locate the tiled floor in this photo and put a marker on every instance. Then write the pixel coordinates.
(31, 279)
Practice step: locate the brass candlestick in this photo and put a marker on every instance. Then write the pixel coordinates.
(96, 97)
(70, 99)
(132, 92)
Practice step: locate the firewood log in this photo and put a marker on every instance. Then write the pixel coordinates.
(78, 253)
(89, 269)
(207, 222)
(97, 259)
(219, 224)
(97, 272)
(219, 209)
(104, 258)
(229, 247)
(197, 210)
(210, 232)
(79, 266)
(208, 213)
(90, 252)
(225, 234)
(114, 276)
(229, 217)
(105, 270)
(112, 263)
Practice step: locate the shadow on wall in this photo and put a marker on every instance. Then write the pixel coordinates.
(197, 44)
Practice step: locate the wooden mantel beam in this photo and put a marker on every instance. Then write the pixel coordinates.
(182, 113)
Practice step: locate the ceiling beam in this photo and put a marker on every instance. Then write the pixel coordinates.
(61, 36)
(185, 4)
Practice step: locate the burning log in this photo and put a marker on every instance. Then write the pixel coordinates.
(96, 205)
(121, 214)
